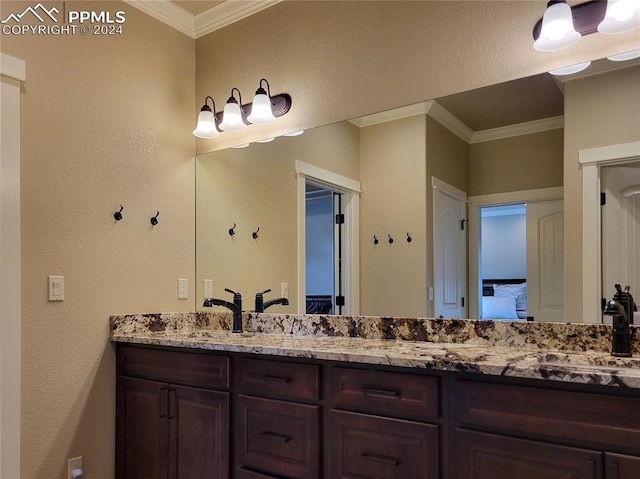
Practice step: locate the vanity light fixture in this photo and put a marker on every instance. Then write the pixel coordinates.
(623, 57)
(206, 127)
(295, 133)
(562, 26)
(235, 117)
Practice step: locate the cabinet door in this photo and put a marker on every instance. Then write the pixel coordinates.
(373, 447)
(489, 456)
(198, 432)
(618, 466)
(142, 451)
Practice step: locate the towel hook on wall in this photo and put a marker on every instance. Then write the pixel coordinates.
(255, 233)
(390, 239)
(154, 219)
(118, 214)
(375, 240)
(409, 238)
(232, 230)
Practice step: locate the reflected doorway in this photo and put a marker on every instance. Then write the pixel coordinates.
(323, 255)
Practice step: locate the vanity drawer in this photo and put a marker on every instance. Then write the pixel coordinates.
(280, 379)
(278, 437)
(388, 393)
(178, 367)
(590, 419)
(370, 447)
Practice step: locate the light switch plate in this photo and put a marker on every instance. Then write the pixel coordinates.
(208, 288)
(284, 290)
(56, 288)
(183, 288)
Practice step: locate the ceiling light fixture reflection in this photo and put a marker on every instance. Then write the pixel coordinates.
(295, 133)
(266, 140)
(241, 145)
(571, 69)
(623, 57)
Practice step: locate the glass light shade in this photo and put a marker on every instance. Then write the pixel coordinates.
(266, 140)
(261, 113)
(232, 118)
(557, 30)
(578, 67)
(623, 57)
(295, 133)
(621, 16)
(206, 127)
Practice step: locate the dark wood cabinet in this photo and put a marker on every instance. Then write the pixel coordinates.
(619, 466)
(168, 430)
(312, 419)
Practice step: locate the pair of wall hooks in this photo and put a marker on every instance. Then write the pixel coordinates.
(232, 231)
(118, 216)
(390, 239)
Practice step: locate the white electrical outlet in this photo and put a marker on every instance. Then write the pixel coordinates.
(208, 288)
(74, 464)
(183, 288)
(284, 290)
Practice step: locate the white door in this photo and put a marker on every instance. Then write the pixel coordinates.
(545, 268)
(621, 229)
(450, 253)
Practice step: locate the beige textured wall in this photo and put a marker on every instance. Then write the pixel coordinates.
(257, 187)
(105, 121)
(342, 60)
(522, 162)
(610, 117)
(393, 180)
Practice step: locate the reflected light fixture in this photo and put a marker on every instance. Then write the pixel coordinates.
(571, 69)
(206, 126)
(562, 26)
(621, 16)
(261, 113)
(235, 117)
(557, 30)
(232, 119)
(623, 57)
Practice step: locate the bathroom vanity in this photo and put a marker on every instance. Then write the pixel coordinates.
(331, 397)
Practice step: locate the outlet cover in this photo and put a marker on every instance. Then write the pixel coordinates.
(183, 288)
(73, 464)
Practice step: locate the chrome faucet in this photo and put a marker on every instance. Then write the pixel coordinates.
(621, 334)
(260, 305)
(235, 307)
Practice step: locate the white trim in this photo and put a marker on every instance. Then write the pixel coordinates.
(351, 196)
(391, 115)
(527, 128)
(475, 203)
(450, 190)
(450, 122)
(168, 13)
(195, 26)
(12, 69)
(591, 160)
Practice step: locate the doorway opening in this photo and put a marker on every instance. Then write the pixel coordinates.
(324, 248)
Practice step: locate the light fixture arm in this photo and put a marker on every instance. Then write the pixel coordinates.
(586, 17)
(268, 92)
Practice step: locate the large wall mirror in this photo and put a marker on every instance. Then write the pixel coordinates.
(401, 250)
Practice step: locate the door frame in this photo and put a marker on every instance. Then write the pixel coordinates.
(13, 71)
(591, 160)
(480, 201)
(350, 190)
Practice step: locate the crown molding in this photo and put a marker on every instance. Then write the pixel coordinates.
(450, 122)
(168, 13)
(395, 114)
(208, 21)
(227, 13)
(526, 128)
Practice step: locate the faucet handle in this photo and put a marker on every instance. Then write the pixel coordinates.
(266, 291)
(230, 291)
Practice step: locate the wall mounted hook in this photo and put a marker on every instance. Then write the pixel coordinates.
(255, 233)
(232, 230)
(118, 214)
(375, 240)
(154, 219)
(390, 239)
(409, 238)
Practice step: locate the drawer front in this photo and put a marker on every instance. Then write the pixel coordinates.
(618, 466)
(278, 437)
(246, 474)
(592, 420)
(370, 447)
(277, 378)
(178, 367)
(392, 394)
(488, 456)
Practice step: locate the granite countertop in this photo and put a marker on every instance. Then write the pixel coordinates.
(577, 353)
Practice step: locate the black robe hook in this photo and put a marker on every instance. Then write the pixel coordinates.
(118, 214)
(255, 233)
(390, 239)
(232, 230)
(154, 219)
